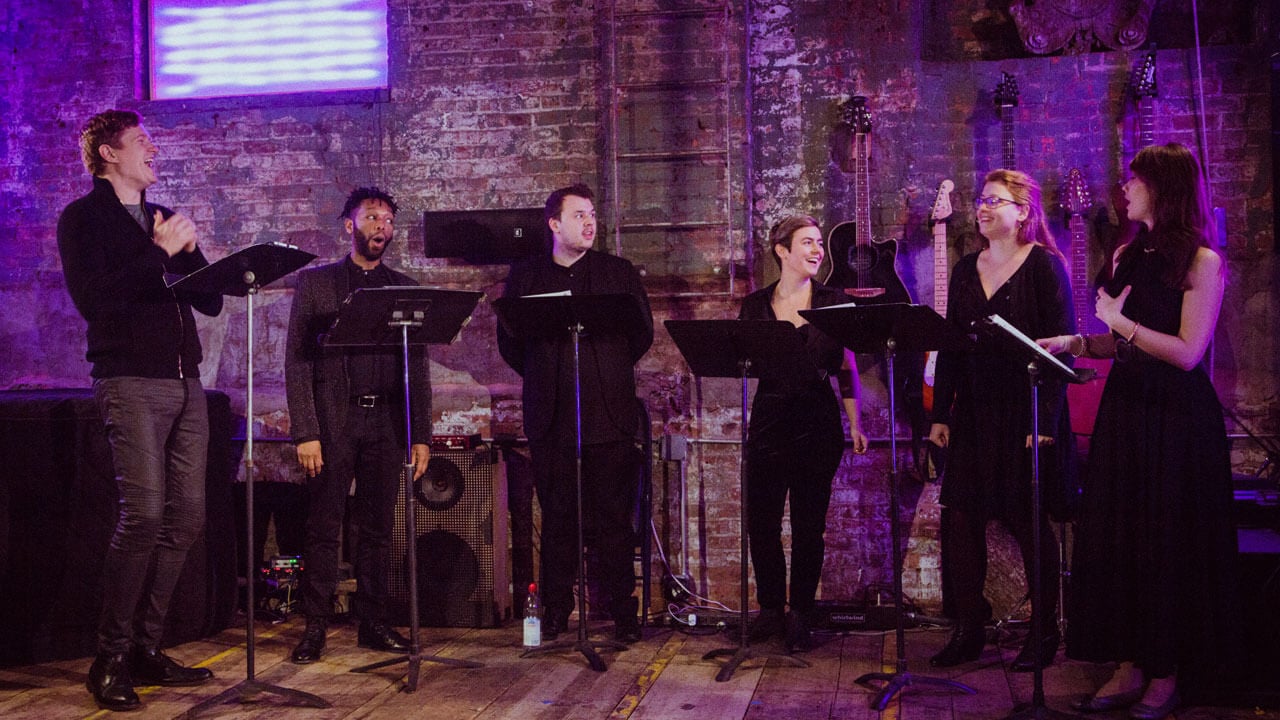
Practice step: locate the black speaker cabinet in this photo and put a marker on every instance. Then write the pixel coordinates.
(462, 541)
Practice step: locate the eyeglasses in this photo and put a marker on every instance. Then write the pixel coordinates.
(993, 201)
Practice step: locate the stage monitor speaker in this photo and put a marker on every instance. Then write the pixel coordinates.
(484, 236)
(461, 544)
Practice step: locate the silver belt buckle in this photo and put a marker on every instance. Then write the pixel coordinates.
(367, 401)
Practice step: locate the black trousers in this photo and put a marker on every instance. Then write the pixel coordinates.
(370, 451)
(610, 484)
(803, 470)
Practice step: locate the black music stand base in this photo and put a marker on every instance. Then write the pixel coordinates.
(582, 644)
(415, 656)
(901, 680)
(739, 655)
(249, 690)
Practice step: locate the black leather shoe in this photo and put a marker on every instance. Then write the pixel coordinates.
(964, 646)
(626, 630)
(381, 637)
(1107, 703)
(1026, 659)
(312, 644)
(554, 624)
(770, 623)
(152, 667)
(110, 683)
(797, 637)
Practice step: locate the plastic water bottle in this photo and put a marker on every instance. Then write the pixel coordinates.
(532, 618)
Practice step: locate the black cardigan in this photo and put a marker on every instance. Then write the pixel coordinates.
(116, 277)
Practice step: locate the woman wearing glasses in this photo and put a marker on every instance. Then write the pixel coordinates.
(982, 413)
(1153, 576)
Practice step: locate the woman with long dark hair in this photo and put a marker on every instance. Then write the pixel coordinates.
(1153, 577)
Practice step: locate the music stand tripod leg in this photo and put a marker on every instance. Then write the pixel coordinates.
(901, 678)
(415, 656)
(250, 687)
(582, 644)
(1035, 709)
(744, 652)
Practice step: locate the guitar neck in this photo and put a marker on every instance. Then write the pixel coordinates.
(940, 268)
(1006, 136)
(1146, 122)
(862, 199)
(1080, 271)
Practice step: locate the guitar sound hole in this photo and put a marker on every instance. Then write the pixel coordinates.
(861, 259)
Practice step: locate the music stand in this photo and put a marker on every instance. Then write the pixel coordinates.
(891, 328)
(743, 349)
(404, 315)
(241, 274)
(1040, 363)
(549, 317)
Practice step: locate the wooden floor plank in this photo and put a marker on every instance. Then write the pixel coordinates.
(663, 677)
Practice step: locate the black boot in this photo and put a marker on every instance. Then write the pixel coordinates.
(110, 683)
(312, 644)
(381, 636)
(769, 624)
(626, 628)
(964, 646)
(797, 637)
(1026, 660)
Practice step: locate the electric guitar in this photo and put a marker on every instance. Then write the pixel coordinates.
(1082, 399)
(1142, 84)
(941, 271)
(1006, 98)
(863, 268)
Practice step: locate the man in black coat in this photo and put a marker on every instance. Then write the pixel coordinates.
(346, 411)
(116, 249)
(610, 415)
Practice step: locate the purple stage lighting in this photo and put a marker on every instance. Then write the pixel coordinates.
(219, 48)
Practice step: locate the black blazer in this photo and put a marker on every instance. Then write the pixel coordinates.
(316, 378)
(609, 408)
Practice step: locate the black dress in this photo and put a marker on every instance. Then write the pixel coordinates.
(794, 444)
(1154, 578)
(985, 399)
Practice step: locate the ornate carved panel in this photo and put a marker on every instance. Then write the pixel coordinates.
(1077, 26)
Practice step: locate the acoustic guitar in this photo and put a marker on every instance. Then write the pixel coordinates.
(863, 267)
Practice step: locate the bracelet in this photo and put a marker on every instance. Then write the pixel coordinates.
(1133, 333)
(1084, 346)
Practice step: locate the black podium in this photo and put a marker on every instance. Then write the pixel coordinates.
(551, 317)
(1039, 364)
(404, 316)
(242, 274)
(889, 329)
(743, 349)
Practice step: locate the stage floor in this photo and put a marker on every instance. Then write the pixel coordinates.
(661, 678)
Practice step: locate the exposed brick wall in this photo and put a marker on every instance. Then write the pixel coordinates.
(492, 104)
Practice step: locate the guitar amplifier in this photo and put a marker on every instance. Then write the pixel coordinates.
(461, 544)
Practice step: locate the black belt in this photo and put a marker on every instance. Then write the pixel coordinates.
(368, 401)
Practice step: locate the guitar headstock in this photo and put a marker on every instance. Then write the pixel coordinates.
(1143, 80)
(1076, 193)
(942, 204)
(1007, 91)
(857, 115)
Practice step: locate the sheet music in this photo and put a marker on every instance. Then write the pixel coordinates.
(1021, 337)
